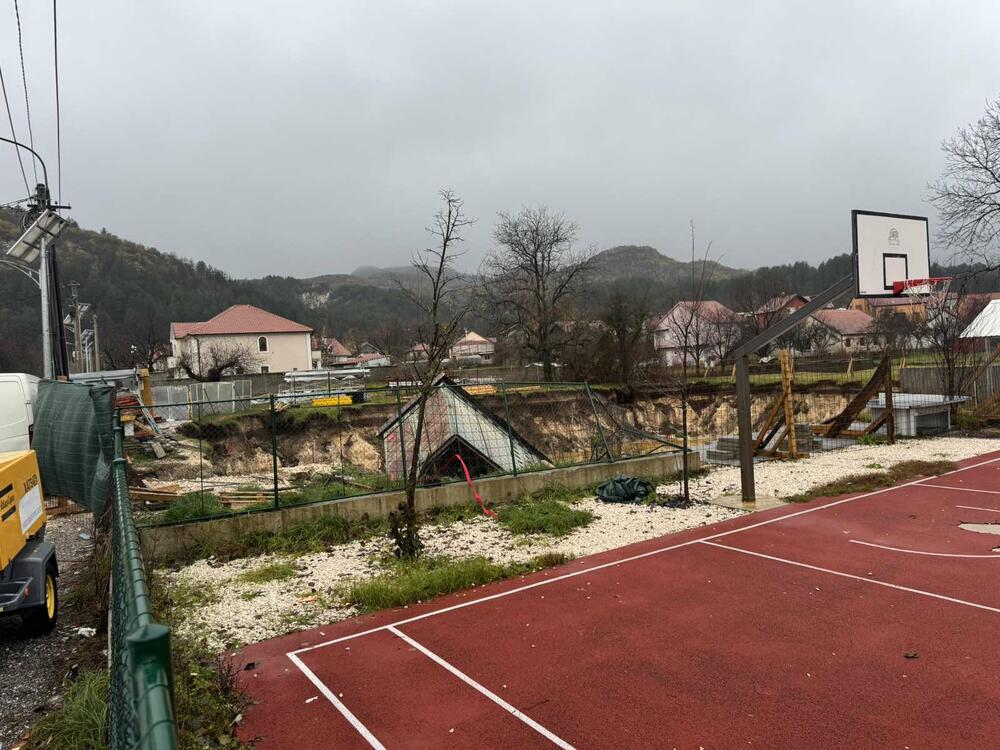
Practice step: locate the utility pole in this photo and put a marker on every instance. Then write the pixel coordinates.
(97, 347)
(74, 290)
(43, 285)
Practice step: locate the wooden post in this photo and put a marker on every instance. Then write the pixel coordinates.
(890, 415)
(786, 390)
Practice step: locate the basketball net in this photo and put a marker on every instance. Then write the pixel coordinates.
(932, 290)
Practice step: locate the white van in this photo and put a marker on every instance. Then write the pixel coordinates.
(18, 392)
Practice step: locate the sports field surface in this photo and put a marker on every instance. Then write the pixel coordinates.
(868, 621)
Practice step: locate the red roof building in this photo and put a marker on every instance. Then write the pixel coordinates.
(269, 342)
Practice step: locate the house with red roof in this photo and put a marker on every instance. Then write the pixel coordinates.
(271, 343)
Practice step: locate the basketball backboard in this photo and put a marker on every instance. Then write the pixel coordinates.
(889, 248)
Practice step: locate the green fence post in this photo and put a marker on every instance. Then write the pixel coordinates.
(274, 451)
(600, 428)
(399, 421)
(510, 434)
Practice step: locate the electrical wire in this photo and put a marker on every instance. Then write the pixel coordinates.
(55, 50)
(11, 204)
(24, 81)
(10, 119)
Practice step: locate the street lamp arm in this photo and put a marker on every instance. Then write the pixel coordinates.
(29, 272)
(45, 172)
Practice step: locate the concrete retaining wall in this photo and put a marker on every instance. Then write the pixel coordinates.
(163, 543)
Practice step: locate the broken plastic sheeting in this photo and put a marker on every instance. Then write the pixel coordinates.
(625, 489)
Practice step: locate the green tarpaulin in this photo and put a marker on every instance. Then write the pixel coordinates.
(74, 441)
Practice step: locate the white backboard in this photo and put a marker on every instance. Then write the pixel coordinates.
(888, 248)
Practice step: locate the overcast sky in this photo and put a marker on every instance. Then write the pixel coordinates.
(302, 138)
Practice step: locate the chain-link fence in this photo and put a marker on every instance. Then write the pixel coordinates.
(140, 703)
(310, 447)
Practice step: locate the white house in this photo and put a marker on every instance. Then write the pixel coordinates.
(842, 331)
(702, 332)
(269, 342)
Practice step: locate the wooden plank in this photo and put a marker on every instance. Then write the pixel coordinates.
(771, 416)
(843, 421)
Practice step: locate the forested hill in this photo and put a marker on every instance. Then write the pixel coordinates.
(138, 291)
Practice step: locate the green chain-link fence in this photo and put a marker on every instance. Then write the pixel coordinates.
(210, 459)
(140, 706)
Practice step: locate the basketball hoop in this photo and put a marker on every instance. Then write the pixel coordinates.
(921, 287)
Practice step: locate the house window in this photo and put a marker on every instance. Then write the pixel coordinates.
(264, 369)
(847, 343)
(262, 344)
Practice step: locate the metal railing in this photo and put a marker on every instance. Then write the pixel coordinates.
(141, 699)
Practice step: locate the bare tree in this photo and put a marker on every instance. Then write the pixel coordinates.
(124, 346)
(210, 362)
(530, 276)
(442, 312)
(687, 326)
(949, 313)
(967, 196)
(626, 317)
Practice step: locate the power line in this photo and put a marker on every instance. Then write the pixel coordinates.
(11, 204)
(10, 119)
(55, 49)
(24, 80)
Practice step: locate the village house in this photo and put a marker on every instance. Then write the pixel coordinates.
(700, 332)
(267, 342)
(842, 331)
(472, 345)
(779, 307)
(879, 308)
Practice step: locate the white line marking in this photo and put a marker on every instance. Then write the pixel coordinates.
(974, 507)
(960, 489)
(545, 582)
(485, 691)
(856, 578)
(918, 552)
(355, 722)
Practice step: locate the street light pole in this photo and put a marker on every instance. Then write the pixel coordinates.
(43, 283)
(78, 365)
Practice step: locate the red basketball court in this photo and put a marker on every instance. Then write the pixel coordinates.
(868, 621)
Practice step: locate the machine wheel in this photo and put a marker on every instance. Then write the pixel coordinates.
(41, 620)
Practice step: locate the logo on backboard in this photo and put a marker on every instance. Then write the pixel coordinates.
(894, 237)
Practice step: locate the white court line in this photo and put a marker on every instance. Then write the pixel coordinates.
(918, 552)
(931, 594)
(555, 739)
(293, 655)
(338, 704)
(961, 489)
(974, 507)
(584, 571)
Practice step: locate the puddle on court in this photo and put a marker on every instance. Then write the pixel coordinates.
(983, 528)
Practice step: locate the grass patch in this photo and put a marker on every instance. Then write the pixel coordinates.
(80, 723)
(266, 573)
(194, 505)
(416, 581)
(303, 538)
(901, 472)
(543, 515)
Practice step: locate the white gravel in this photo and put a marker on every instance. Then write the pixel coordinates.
(777, 479)
(242, 612)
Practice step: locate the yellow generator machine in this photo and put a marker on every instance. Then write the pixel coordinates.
(28, 568)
